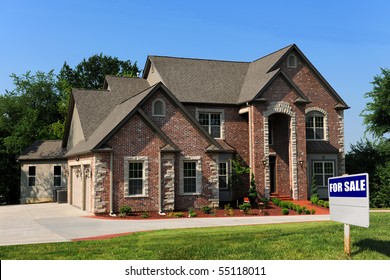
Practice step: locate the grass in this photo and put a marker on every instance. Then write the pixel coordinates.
(295, 241)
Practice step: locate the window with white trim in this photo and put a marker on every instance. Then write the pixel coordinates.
(322, 170)
(212, 123)
(315, 126)
(158, 108)
(223, 175)
(136, 176)
(32, 171)
(292, 61)
(189, 176)
(57, 176)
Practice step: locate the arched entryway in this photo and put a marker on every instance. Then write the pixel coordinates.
(280, 151)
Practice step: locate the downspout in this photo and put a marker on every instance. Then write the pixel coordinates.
(111, 186)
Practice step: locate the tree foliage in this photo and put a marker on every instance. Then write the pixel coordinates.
(372, 157)
(90, 73)
(377, 112)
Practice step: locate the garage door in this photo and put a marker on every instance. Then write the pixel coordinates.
(77, 186)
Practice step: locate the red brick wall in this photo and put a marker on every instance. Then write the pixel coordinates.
(135, 138)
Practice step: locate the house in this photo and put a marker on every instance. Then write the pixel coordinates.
(43, 168)
(165, 141)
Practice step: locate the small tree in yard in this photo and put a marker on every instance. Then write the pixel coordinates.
(252, 190)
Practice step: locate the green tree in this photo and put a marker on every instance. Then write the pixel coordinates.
(90, 73)
(377, 112)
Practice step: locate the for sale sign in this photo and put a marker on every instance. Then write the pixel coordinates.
(349, 199)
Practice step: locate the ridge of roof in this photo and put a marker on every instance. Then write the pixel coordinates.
(198, 59)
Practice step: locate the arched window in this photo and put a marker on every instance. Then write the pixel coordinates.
(315, 126)
(292, 61)
(158, 108)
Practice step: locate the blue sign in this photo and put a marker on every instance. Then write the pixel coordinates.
(348, 186)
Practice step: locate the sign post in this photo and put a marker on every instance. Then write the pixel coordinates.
(349, 203)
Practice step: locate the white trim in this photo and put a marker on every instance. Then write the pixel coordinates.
(228, 168)
(199, 175)
(312, 110)
(213, 111)
(145, 175)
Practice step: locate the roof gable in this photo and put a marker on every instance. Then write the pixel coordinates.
(124, 111)
(340, 102)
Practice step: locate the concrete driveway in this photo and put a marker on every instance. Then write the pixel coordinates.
(52, 222)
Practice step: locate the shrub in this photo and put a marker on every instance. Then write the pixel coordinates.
(228, 210)
(285, 211)
(314, 200)
(176, 215)
(326, 204)
(192, 213)
(299, 210)
(246, 207)
(320, 202)
(276, 201)
(206, 209)
(145, 215)
(313, 211)
(125, 210)
(307, 212)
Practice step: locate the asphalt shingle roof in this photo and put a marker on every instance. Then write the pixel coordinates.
(48, 149)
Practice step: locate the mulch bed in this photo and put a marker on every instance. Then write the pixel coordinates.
(270, 210)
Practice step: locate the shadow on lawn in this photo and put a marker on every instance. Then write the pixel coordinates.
(380, 246)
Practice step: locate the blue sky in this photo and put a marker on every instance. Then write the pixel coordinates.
(347, 41)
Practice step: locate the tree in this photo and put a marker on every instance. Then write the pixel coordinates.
(90, 73)
(27, 112)
(377, 112)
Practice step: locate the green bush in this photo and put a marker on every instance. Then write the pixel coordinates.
(326, 204)
(126, 210)
(206, 209)
(299, 210)
(285, 211)
(145, 215)
(314, 200)
(313, 211)
(246, 207)
(192, 213)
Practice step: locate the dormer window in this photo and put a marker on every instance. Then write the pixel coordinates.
(292, 61)
(158, 108)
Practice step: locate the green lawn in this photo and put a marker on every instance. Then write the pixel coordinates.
(315, 240)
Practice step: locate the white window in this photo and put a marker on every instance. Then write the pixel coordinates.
(315, 126)
(190, 175)
(158, 108)
(31, 176)
(212, 123)
(322, 170)
(292, 61)
(223, 175)
(57, 176)
(136, 176)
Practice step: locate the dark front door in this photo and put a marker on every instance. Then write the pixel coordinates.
(272, 173)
